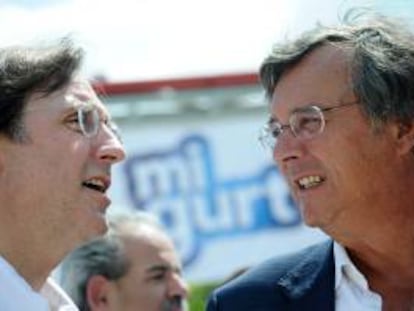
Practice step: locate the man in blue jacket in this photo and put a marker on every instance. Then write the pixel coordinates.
(341, 130)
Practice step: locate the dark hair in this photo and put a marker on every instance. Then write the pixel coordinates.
(381, 62)
(25, 70)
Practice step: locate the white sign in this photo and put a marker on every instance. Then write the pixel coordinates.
(216, 190)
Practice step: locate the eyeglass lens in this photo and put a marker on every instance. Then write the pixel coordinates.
(88, 121)
(304, 123)
(307, 122)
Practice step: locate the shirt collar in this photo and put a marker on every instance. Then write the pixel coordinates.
(344, 268)
(58, 299)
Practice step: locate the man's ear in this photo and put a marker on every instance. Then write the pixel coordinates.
(404, 132)
(97, 290)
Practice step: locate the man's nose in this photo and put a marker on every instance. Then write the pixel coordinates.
(110, 148)
(177, 286)
(287, 147)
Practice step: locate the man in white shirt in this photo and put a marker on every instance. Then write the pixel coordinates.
(341, 130)
(57, 146)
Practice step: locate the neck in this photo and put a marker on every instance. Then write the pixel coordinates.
(385, 256)
(378, 232)
(390, 274)
(22, 249)
(34, 275)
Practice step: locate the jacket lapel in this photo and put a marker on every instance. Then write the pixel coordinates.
(310, 285)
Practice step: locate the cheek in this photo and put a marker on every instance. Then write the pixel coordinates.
(352, 161)
(147, 295)
(338, 158)
(66, 158)
(149, 298)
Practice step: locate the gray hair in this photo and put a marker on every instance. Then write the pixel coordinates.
(104, 256)
(381, 62)
(25, 70)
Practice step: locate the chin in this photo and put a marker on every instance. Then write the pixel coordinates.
(94, 228)
(310, 217)
(101, 226)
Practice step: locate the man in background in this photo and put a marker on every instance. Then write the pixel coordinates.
(57, 147)
(133, 267)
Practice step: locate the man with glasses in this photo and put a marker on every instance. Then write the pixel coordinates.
(57, 147)
(341, 130)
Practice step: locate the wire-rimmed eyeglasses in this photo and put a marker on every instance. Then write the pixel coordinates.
(89, 121)
(305, 122)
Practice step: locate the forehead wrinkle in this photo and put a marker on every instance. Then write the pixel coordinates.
(76, 102)
(327, 64)
(275, 106)
(81, 86)
(66, 97)
(89, 95)
(274, 119)
(80, 89)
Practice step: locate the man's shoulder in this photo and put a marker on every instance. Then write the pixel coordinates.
(269, 272)
(263, 280)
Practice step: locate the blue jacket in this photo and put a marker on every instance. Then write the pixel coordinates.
(299, 282)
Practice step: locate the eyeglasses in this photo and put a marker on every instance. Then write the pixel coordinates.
(89, 121)
(305, 123)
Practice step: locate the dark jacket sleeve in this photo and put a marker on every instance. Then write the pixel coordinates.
(212, 304)
(299, 282)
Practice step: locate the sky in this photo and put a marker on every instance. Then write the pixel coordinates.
(130, 40)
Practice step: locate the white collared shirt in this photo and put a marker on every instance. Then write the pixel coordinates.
(17, 295)
(351, 287)
(57, 298)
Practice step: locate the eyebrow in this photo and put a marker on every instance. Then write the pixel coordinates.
(273, 119)
(162, 268)
(79, 100)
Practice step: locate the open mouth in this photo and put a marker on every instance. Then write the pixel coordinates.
(309, 182)
(96, 184)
